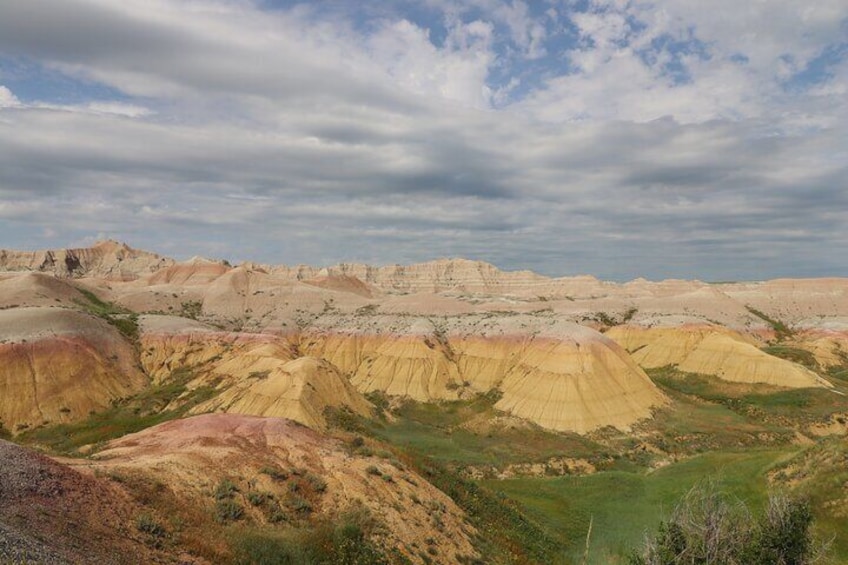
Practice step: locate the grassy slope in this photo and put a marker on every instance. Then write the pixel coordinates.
(623, 505)
(731, 433)
(436, 430)
(134, 414)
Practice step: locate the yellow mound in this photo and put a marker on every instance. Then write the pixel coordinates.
(577, 387)
(299, 390)
(712, 351)
(57, 365)
(559, 375)
(414, 366)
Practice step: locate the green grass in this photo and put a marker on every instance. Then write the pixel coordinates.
(125, 321)
(344, 540)
(134, 414)
(436, 430)
(781, 330)
(622, 506)
(506, 533)
(821, 473)
(794, 354)
(773, 409)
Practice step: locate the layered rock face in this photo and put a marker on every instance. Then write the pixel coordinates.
(433, 276)
(106, 259)
(441, 330)
(558, 375)
(712, 351)
(196, 453)
(57, 365)
(300, 390)
(255, 374)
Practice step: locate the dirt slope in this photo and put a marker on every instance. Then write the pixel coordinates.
(52, 514)
(196, 453)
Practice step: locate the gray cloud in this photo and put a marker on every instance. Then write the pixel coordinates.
(283, 138)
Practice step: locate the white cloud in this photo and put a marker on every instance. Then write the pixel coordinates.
(380, 142)
(7, 99)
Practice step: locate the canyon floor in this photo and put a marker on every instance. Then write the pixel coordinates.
(158, 411)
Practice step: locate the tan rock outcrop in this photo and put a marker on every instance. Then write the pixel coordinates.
(711, 350)
(299, 390)
(559, 375)
(106, 259)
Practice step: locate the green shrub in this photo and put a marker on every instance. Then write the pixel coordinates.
(707, 527)
(299, 504)
(147, 524)
(228, 511)
(275, 473)
(344, 540)
(257, 498)
(226, 489)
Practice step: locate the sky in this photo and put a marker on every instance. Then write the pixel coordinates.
(623, 139)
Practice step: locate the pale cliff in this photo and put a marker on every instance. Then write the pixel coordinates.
(106, 259)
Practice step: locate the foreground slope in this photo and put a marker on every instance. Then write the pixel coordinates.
(270, 455)
(52, 514)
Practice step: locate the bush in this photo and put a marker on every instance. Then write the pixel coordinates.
(147, 524)
(226, 489)
(228, 511)
(344, 540)
(257, 498)
(275, 473)
(706, 527)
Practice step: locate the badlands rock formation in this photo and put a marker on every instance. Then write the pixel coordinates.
(441, 330)
(556, 374)
(257, 374)
(106, 259)
(300, 390)
(57, 365)
(711, 350)
(197, 453)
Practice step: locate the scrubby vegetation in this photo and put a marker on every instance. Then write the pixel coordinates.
(125, 321)
(708, 526)
(782, 332)
(343, 540)
(149, 408)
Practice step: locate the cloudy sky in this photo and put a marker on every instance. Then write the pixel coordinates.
(665, 138)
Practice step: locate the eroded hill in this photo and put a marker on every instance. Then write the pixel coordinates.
(453, 370)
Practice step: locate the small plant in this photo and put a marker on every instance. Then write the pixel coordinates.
(191, 309)
(226, 489)
(373, 470)
(299, 504)
(275, 473)
(228, 511)
(257, 498)
(147, 524)
(317, 483)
